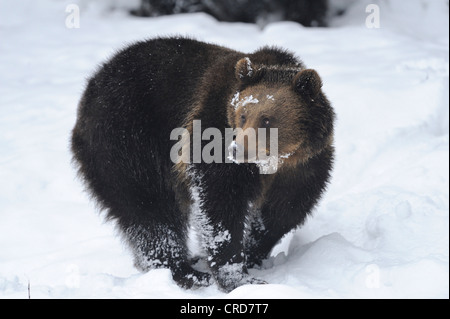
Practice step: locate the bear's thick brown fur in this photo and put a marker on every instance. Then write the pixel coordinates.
(121, 143)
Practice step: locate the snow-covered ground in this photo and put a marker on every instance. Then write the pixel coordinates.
(381, 231)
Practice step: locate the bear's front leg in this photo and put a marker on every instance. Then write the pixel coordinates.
(290, 198)
(224, 191)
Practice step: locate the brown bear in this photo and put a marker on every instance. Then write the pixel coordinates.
(122, 144)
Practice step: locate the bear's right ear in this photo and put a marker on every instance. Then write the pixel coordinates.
(244, 70)
(307, 83)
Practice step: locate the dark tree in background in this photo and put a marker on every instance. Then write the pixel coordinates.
(306, 12)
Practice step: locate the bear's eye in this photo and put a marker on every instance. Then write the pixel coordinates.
(243, 119)
(266, 122)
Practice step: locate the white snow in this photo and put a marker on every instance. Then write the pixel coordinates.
(382, 228)
(237, 102)
(249, 100)
(249, 68)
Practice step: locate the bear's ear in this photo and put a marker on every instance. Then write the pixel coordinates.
(244, 70)
(307, 83)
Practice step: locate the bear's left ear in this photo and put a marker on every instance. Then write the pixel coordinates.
(244, 69)
(307, 83)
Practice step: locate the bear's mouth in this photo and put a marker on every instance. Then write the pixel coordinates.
(238, 154)
(234, 152)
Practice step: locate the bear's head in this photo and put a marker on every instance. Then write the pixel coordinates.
(289, 99)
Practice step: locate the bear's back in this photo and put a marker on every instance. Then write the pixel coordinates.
(152, 78)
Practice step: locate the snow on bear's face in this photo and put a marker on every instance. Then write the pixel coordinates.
(279, 112)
